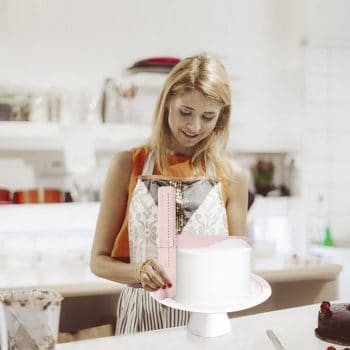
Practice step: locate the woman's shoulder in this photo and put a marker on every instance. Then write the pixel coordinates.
(131, 155)
(237, 186)
(231, 170)
(131, 161)
(121, 160)
(238, 172)
(122, 157)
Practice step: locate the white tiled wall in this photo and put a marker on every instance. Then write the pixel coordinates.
(326, 141)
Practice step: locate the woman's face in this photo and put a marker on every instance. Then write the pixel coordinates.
(192, 118)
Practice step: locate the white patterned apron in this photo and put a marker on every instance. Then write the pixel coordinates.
(199, 210)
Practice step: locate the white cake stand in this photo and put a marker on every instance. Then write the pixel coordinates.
(213, 321)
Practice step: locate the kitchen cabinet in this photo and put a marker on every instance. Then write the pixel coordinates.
(336, 255)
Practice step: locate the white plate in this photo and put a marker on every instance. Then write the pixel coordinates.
(260, 291)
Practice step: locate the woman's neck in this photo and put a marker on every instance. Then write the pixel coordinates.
(180, 154)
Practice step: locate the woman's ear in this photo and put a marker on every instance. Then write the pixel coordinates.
(166, 113)
(223, 118)
(219, 122)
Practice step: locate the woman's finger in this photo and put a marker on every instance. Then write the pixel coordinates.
(147, 281)
(157, 267)
(154, 276)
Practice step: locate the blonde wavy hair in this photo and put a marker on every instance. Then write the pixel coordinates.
(207, 75)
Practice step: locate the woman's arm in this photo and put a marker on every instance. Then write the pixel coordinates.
(237, 202)
(110, 219)
(111, 215)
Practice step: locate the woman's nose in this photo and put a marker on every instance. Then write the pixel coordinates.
(195, 124)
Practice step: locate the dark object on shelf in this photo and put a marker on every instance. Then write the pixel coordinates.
(284, 190)
(5, 112)
(263, 177)
(68, 197)
(154, 65)
(14, 107)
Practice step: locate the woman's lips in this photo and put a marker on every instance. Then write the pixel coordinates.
(189, 134)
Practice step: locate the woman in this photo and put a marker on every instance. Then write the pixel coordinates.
(186, 150)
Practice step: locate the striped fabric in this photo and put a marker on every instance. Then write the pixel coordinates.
(138, 312)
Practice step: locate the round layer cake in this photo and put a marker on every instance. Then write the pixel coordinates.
(334, 323)
(214, 276)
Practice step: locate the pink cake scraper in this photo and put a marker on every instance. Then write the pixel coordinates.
(167, 238)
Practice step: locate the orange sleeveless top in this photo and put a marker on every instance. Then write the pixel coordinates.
(179, 166)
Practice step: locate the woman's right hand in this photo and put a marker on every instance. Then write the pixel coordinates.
(152, 276)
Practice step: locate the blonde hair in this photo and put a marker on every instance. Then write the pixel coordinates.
(208, 76)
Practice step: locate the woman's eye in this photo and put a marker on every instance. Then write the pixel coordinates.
(185, 112)
(207, 118)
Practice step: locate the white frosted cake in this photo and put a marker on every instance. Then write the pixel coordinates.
(217, 275)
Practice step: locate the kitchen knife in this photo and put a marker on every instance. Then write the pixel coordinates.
(275, 341)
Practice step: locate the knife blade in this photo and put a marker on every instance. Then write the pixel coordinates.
(275, 341)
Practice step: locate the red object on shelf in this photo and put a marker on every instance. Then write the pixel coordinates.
(170, 60)
(27, 196)
(155, 64)
(5, 196)
(45, 195)
(52, 195)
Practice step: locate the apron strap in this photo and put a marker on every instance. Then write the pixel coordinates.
(211, 171)
(149, 165)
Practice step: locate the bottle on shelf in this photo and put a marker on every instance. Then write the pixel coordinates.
(323, 229)
(328, 239)
(110, 102)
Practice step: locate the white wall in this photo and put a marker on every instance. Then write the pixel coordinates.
(326, 134)
(327, 22)
(77, 44)
(326, 126)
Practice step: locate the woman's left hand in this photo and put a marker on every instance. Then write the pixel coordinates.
(152, 276)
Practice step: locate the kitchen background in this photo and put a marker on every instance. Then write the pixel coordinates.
(289, 65)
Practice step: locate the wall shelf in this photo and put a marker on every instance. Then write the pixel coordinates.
(46, 137)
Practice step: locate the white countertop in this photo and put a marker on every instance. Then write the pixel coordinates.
(294, 327)
(77, 279)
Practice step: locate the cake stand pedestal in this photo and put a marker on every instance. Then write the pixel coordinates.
(209, 324)
(207, 321)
